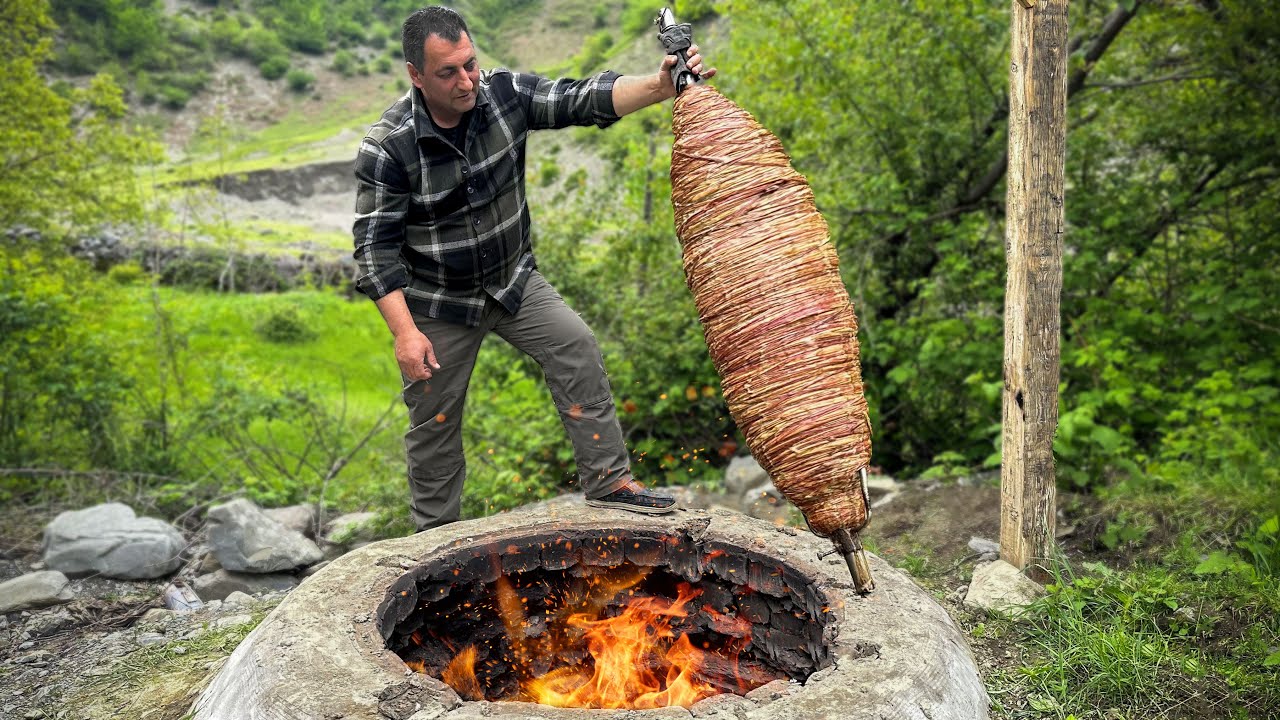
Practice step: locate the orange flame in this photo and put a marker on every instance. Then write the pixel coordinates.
(461, 674)
(636, 659)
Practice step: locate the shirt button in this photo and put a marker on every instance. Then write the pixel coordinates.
(465, 170)
(471, 188)
(477, 221)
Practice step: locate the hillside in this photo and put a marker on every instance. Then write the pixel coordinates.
(247, 134)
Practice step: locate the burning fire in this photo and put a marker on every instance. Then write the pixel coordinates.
(636, 659)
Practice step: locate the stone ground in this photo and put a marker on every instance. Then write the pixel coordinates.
(112, 653)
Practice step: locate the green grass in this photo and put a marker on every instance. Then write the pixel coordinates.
(1189, 628)
(342, 360)
(351, 351)
(299, 138)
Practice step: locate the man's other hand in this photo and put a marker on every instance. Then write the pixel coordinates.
(415, 354)
(695, 64)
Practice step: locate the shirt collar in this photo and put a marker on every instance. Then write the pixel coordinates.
(423, 126)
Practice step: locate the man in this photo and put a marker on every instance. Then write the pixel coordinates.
(442, 245)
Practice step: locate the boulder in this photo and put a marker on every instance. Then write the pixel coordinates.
(218, 585)
(244, 539)
(1001, 586)
(767, 502)
(34, 590)
(299, 518)
(881, 489)
(112, 541)
(987, 549)
(344, 528)
(743, 473)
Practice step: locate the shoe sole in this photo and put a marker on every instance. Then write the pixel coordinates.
(631, 508)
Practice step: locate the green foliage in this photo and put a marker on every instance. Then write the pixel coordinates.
(66, 158)
(593, 53)
(344, 62)
(300, 80)
(1165, 203)
(275, 67)
(1260, 556)
(126, 273)
(512, 463)
(1140, 643)
(60, 386)
(284, 324)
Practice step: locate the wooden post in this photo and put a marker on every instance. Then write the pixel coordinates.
(1033, 248)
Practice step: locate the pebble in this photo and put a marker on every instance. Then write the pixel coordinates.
(26, 645)
(150, 638)
(232, 621)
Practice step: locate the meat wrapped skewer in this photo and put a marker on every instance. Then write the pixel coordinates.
(777, 318)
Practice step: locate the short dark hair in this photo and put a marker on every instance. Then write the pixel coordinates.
(434, 20)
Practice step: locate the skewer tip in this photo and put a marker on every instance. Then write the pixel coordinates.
(856, 558)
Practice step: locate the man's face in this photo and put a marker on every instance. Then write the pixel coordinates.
(449, 79)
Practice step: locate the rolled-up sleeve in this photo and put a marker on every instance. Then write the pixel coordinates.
(382, 201)
(564, 102)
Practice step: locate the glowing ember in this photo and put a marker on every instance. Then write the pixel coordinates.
(620, 620)
(635, 659)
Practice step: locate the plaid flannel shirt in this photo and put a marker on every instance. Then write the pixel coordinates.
(451, 225)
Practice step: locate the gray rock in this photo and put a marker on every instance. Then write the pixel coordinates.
(984, 547)
(232, 621)
(34, 590)
(50, 622)
(724, 705)
(244, 539)
(1001, 586)
(111, 540)
(743, 473)
(345, 528)
(157, 617)
(769, 692)
(220, 584)
(150, 638)
(767, 502)
(238, 599)
(299, 518)
(315, 568)
(882, 489)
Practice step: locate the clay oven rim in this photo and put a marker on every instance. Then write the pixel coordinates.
(732, 570)
(320, 653)
(823, 580)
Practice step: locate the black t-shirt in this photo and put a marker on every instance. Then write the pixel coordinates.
(455, 134)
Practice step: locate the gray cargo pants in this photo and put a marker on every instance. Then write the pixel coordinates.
(548, 331)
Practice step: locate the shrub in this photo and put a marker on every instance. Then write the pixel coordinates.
(274, 68)
(126, 273)
(261, 44)
(284, 325)
(300, 80)
(344, 62)
(383, 64)
(174, 97)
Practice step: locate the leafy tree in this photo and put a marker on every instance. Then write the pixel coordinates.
(64, 160)
(897, 114)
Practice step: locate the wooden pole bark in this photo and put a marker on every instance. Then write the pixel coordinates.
(1033, 248)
